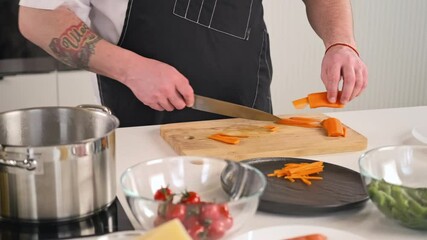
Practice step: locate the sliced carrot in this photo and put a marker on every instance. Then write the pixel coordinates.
(301, 171)
(298, 123)
(320, 99)
(306, 177)
(233, 135)
(271, 128)
(316, 100)
(334, 127)
(306, 167)
(306, 181)
(300, 103)
(225, 139)
(305, 119)
(315, 236)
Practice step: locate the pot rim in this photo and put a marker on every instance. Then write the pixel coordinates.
(113, 118)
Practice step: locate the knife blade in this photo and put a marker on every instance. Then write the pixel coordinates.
(230, 109)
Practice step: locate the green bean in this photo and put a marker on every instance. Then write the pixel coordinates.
(407, 205)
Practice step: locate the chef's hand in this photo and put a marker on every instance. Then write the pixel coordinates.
(341, 62)
(159, 85)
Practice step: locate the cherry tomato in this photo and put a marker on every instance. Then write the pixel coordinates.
(214, 211)
(228, 222)
(163, 194)
(190, 197)
(216, 229)
(191, 221)
(197, 232)
(193, 209)
(175, 211)
(223, 209)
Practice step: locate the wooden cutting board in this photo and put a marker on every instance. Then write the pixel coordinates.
(191, 138)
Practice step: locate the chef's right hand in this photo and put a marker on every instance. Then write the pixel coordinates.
(158, 85)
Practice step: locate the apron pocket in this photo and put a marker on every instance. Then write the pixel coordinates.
(230, 17)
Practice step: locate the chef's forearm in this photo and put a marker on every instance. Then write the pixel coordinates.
(64, 36)
(332, 20)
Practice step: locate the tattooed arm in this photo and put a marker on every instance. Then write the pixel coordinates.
(64, 36)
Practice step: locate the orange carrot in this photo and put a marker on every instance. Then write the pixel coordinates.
(300, 103)
(271, 128)
(315, 236)
(315, 100)
(298, 123)
(233, 135)
(225, 139)
(302, 171)
(305, 119)
(334, 127)
(320, 99)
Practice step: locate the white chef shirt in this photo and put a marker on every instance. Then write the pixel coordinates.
(105, 17)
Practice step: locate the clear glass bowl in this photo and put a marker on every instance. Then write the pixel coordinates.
(229, 192)
(395, 179)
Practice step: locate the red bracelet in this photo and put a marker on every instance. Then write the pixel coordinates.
(343, 44)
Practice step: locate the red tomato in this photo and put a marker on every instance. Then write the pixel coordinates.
(214, 211)
(228, 223)
(175, 211)
(219, 227)
(190, 197)
(163, 194)
(216, 229)
(191, 221)
(193, 209)
(197, 232)
(223, 209)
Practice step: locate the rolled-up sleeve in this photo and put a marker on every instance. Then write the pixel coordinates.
(42, 4)
(80, 7)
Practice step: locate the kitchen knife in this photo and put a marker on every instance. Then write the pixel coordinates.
(230, 109)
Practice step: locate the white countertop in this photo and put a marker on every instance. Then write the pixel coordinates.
(381, 127)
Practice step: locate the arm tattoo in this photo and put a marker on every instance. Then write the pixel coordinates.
(75, 46)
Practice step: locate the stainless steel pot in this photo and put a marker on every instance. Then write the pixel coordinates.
(56, 163)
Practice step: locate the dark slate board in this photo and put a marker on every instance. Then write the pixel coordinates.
(340, 189)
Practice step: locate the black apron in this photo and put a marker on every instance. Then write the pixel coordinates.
(221, 46)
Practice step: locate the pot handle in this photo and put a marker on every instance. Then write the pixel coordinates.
(95, 107)
(28, 163)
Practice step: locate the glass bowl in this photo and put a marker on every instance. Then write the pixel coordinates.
(395, 179)
(229, 193)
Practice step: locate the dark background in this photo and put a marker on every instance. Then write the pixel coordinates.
(17, 54)
(12, 43)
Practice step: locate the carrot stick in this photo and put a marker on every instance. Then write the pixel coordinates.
(225, 139)
(320, 99)
(333, 127)
(302, 171)
(306, 177)
(315, 236)
(271, 128)
(315, 100)
(305, 119)
(292, 122)
(300, 103)
(233, 135)
(306, 181)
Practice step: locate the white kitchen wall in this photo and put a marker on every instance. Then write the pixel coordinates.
(392, 39)
(75, 88)
(24, 91)
(65, 88)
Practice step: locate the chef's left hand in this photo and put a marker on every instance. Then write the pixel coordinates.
(341, 62)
